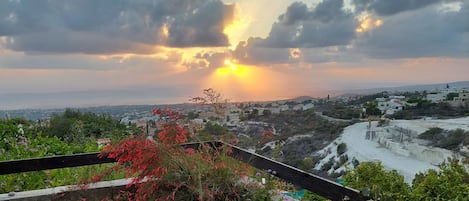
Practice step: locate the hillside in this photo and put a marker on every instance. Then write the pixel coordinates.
(396, 145)
(406, 88)
(297, 134)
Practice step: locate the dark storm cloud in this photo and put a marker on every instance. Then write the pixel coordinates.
(325, 25)
(203, 27)
(428, 33)
(391, 7)
(210, 59)
(112, 26)
(327, 33)
(328, 24)
(251, 52)
(76, 42)
(297, 11)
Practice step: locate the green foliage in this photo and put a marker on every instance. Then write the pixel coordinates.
(415, 100)
(266, 112)
(355, 162)
(434, 133)
(341, 148)
(342, 160)
(18, 145)
(341, 112)
(307, 164)
(425, 108)
(212, 131)
(368, 98)
(310, 196)
(291, 123)
(424, 104)
(372, 108)
(328, 165)
(382, 184)
(450, 183)
(451, 96)
(73, 126)
(179, 173)
(383, 122)
(192, 115)
(446, 139)
(31, 140)
(453, 139)
(253, 114)
(52, 178)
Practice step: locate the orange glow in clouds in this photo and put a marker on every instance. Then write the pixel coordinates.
(368, 23)
(250, 82)
(236, 29)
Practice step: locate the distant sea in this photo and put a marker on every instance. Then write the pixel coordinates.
(9, 101)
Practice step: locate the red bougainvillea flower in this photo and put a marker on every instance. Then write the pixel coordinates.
(173, 134)
(163, 170)
(267, 136)
(190, 151)
(166, 113)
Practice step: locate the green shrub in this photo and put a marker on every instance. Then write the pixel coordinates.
(382, 184)
(342, 148)
(433, 133)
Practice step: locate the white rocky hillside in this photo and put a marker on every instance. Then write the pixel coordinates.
(396, 145)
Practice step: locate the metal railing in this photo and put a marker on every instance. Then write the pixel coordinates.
(323, 187)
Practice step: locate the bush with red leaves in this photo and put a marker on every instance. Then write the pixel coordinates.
(161, 169)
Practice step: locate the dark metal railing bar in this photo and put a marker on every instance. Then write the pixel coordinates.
(313, 183)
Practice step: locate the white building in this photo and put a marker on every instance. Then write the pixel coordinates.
(283, 107)
(436, 97)
(397, 97)
(308, 106)
(275, 110)
(461, 100)
(441, 95)
(390, 106)
(298, 107)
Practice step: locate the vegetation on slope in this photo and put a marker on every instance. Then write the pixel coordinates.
(317, 133)
(450, 183)
(447, 139)
(21, 139)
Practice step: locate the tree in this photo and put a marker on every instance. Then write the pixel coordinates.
(192, 115)
(214, 99)
(341, 148)
(71, 122)
(450, 183)
(163, 170)
(253, 114)
(451, 96)
(213, 129)
(372, 109)
(381, 184)
(307, 164)
(76, 133)
(266, 112)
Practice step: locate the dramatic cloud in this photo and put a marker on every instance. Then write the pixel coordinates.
(387, 7)
(329, 33)
(326, 25)
(203, 27)
(112, 26)
(427, 33)
(253, 52)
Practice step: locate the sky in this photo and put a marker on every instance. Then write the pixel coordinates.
(60, 53)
